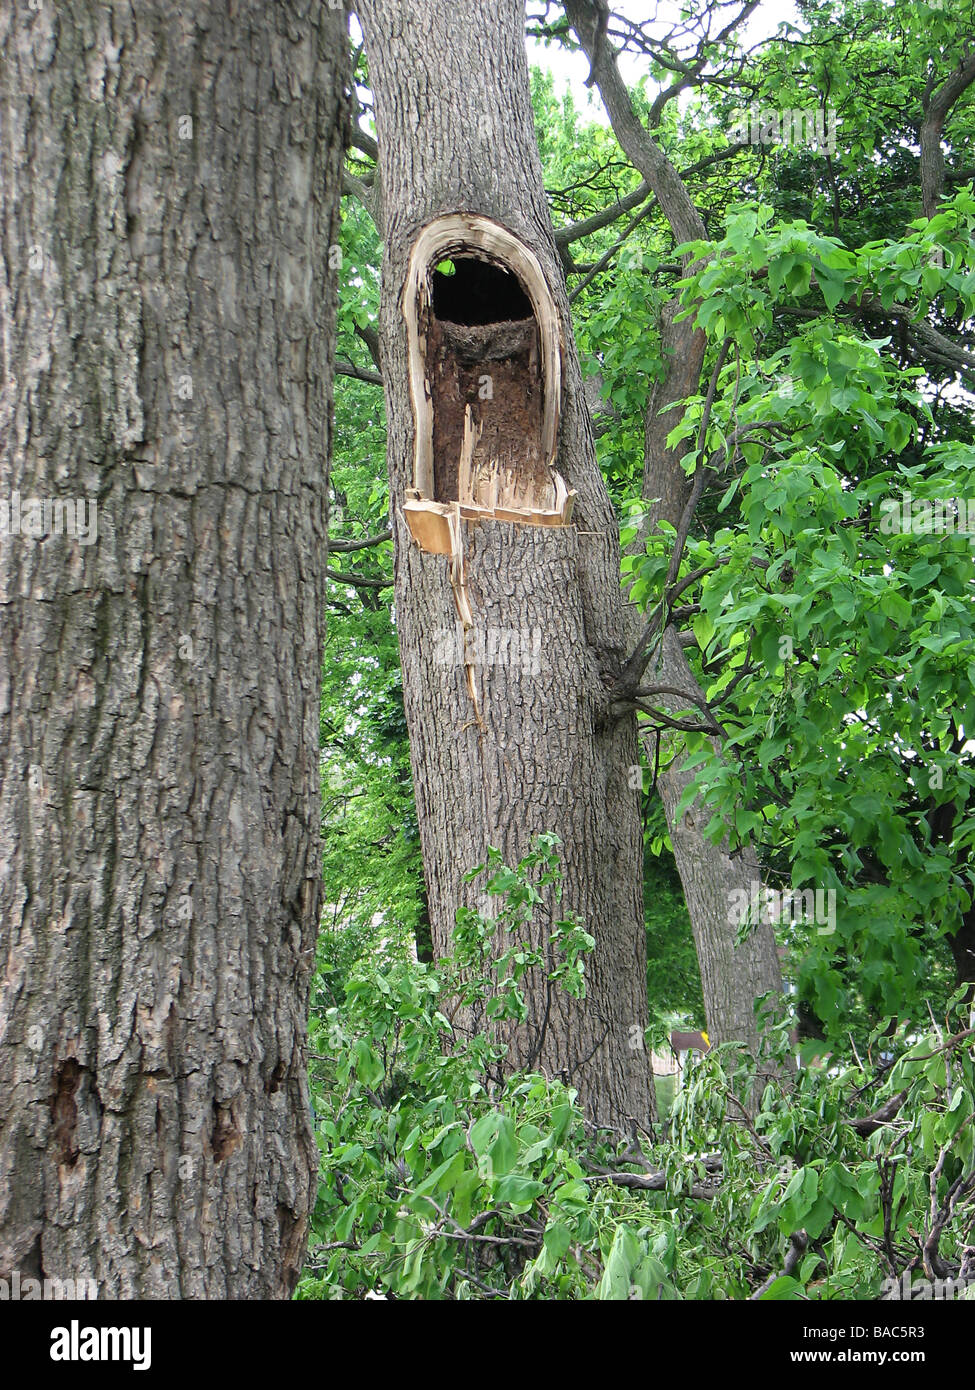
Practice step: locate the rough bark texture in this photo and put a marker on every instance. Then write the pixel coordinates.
(456, 134)
(169, 188)
(732, 977)
(937, 104)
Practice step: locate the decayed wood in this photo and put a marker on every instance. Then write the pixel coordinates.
(493, 488)
(429, 521)
(465, 233)
(489, 342)
(464, 472)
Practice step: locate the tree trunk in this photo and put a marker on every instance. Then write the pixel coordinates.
(732, 976)
(523, 739)
(169, 190)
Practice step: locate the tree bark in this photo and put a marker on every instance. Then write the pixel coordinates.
(937, 105)
(170, 178)
(733, 976)
(542, 750)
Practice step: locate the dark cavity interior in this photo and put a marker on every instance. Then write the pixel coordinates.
(484, 369)
(478, 293)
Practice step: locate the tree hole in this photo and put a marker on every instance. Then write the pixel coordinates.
(485, 382)
(473, 293)
(483, 364)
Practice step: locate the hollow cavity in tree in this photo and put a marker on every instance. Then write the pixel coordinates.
(485, 365)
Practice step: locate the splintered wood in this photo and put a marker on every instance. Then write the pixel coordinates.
(458, 582)
(499, 483)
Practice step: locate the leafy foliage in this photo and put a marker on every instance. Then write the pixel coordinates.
(444, 1178)
(848, 646)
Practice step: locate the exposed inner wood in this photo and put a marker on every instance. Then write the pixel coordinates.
(485, 379)
(487, 415)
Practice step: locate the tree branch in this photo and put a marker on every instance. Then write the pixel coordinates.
(587, 18)
(798, 1243)
(358, 581)
(868, 1124)
(344, 547)
(343, 368)
(587, 226)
